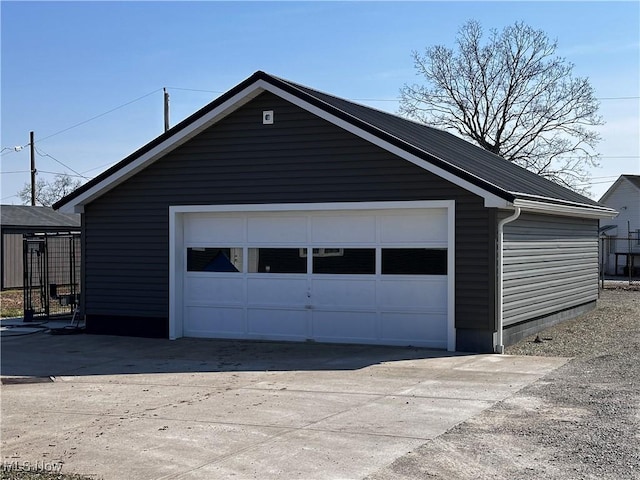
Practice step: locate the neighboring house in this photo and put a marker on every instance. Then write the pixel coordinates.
(278, 212)
(622, 233)
(16, 220)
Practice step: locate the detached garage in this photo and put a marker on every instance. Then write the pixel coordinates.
(278, 212)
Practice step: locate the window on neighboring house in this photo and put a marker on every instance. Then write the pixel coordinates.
(323, 252)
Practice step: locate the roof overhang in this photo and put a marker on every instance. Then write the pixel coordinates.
(146, 156)
(493, 196)
(118, 175)
(553, 207)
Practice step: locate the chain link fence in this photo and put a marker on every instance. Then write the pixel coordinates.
(51, 275)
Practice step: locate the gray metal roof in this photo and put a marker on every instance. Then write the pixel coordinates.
(634, 179)
(453, 154)
(28, 216)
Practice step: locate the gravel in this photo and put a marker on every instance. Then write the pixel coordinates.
(581, 421)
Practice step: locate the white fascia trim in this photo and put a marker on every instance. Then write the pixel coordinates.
(490, 199)
(190, 131)
(282, 207)
(564, 210)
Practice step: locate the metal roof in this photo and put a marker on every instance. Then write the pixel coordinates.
(634, 179)
(459, 155)
(442, 149)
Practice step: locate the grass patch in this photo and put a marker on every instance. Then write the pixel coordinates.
(11, 302)
(21, 474)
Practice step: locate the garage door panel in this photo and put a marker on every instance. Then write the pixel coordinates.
(344, 292)
(428, 228)
(202, 321)
(344, 326)
(277, 291)
(278, 323)
(415, 328)
(214, 291)
(282, 230)
(203, 229)
(368, 276)
(426, 293)
(343, 230)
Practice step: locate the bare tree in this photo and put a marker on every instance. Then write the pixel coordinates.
(48, 193)
(511, 96)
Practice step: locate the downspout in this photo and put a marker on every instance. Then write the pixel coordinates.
(499, 347)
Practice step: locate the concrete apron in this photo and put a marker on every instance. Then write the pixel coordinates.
(123, 408)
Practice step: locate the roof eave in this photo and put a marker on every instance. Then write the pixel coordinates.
(544, 206)
(243, 93)
(160, 146)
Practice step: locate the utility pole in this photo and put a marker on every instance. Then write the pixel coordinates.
(166, 109)
(32, 145)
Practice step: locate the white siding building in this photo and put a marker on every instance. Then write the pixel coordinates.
(622, 233)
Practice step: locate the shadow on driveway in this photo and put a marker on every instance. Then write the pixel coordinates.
(43, 355)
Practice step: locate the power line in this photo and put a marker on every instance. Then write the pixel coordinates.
(397, 99)
(194, 90)
(100, 115)
(617, 98)
(7, 150)
(64, 173)
(101, 166)
(44, 154)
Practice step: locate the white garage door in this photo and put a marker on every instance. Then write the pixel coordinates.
(372, 276)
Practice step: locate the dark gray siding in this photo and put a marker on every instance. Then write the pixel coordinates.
(300, 158)
(550, 265)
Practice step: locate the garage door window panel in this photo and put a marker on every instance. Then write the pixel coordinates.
(353, 261)
(206, 259)
(414, 261)
(277, 260)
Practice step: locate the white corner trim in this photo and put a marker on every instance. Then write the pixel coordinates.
(499, 346)
(451, 277)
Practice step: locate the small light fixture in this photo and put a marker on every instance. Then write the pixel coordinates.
(267, 117)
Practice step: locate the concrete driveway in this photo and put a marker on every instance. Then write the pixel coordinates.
(123, 408)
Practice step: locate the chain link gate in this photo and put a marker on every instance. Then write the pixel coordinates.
(620, 260)
(51, 275)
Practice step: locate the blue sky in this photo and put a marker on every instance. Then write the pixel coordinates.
(64, 63)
